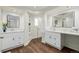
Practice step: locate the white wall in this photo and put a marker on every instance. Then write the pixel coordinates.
(26, 30)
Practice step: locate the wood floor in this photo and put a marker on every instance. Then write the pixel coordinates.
(36, 46)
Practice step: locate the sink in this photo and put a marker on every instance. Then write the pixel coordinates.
(75, 30)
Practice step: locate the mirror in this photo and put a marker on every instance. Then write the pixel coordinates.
(65, 20)
(13, 21)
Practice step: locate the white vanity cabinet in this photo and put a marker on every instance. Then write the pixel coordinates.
(12, 40)
(68, 20)
(53, 39)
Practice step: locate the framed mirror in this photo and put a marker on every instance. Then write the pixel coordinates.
(13, 21)
(65, 20)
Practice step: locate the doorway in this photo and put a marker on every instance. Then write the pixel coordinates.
(35, 27)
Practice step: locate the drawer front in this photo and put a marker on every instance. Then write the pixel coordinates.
(50, 39)
(54, 34)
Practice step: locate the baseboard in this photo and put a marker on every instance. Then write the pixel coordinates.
(43, 41)
(11, 48)
(38, 38)
(25, 44)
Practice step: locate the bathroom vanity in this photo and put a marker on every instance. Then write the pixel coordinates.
(14, 34)
(61, 25)
(11, 40)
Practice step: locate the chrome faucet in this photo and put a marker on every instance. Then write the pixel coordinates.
(75, 29)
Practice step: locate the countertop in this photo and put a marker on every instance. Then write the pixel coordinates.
(12, 31)
(64, 31)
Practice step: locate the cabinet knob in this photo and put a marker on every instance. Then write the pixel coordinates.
(50, 37)
(1, 37)
(13, 38)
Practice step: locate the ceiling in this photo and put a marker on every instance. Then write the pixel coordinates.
(36, 9)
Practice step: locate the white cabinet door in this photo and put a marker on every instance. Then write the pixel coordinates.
(50, 39)
(12, 40)
(18, 38)
(54, 39)
(7, 42)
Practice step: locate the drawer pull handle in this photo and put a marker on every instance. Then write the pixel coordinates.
(13, 38)
(1, 37)
(50, 37)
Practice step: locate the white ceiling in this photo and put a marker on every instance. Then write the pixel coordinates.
(36, 9)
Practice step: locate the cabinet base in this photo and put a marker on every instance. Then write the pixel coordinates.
(5, 50)
(43, 41)
(26, 43)
(52, 45)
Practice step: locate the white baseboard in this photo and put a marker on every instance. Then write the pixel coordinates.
(25, 44)
(12, 48)
(43, 41)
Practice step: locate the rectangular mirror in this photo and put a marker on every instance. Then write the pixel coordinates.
(65, 20)
(13, 21)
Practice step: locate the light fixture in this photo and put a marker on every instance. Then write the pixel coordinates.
(36, 22)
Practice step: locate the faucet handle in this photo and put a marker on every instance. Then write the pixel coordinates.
(75, 29)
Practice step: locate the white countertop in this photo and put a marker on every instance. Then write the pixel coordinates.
(63, 31)
(12, 31)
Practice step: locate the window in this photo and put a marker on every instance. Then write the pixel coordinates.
(36, 22)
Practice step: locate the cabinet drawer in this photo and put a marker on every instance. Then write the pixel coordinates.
(53, 34)
(50, 39)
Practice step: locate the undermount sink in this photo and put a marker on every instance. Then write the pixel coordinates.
(75, 30)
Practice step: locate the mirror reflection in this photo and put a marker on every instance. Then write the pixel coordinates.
(65, 20)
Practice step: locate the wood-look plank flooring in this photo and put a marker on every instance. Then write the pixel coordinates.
(36, 46)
